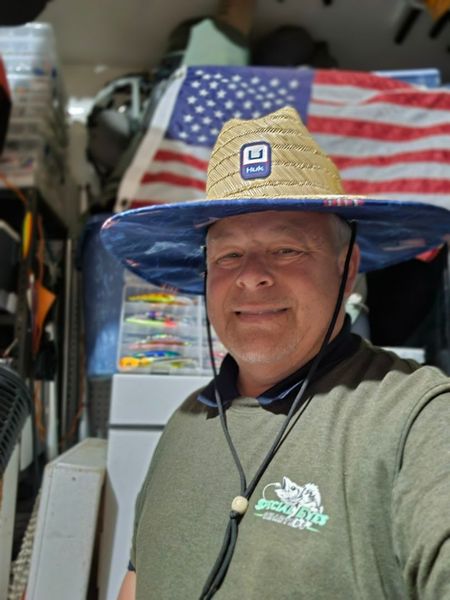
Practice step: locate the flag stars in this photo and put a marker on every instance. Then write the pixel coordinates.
(211, 97)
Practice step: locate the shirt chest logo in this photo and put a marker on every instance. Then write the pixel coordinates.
(293, 505)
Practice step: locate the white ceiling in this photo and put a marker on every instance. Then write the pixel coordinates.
(133, 32)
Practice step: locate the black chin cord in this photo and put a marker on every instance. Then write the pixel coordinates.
(225, 555)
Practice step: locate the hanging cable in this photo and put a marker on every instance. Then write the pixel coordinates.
(219, 402)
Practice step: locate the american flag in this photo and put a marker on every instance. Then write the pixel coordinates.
(388, 138)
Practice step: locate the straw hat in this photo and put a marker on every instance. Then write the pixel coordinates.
(266, 164)
(296, 166)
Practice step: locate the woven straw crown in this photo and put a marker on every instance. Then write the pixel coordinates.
(300, 168)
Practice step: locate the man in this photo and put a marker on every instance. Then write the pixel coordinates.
(314, 465)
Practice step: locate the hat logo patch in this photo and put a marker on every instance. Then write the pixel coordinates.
(256, 160)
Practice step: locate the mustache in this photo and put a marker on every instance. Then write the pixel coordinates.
(248, 302)
(258, 300)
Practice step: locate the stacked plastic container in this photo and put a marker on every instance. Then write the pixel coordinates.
(163, 332)
(35, 151)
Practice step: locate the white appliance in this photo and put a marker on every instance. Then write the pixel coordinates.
(67, 523)
(140, 407)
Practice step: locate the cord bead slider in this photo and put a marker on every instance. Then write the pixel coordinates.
(239, 505)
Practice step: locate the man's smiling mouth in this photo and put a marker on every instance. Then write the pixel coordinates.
(259, 312)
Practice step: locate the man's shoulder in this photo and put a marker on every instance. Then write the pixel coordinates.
(385, 365)
(191, 406)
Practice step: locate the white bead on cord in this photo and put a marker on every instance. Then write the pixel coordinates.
(239, 505)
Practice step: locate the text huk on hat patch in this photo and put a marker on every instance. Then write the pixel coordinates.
(256, 162)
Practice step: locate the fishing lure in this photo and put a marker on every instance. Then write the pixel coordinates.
(159, 298)
(159, 340)
(133, 362)
(152, 322)
(157, 354)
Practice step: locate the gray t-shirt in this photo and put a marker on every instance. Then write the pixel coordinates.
(355, 505)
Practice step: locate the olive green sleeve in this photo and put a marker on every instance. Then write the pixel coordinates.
(421, 499)
(137, 514)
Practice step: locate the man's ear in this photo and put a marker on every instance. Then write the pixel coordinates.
(352, 269)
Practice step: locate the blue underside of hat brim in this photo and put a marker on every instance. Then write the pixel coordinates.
(164, 243)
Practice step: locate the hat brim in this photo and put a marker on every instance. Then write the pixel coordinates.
(164, 243)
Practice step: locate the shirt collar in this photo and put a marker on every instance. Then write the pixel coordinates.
(342, 346)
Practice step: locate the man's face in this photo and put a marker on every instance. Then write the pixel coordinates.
(272, 284)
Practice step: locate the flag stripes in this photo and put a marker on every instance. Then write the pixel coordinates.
(387, 137)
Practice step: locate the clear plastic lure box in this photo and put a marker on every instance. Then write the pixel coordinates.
(163, 333)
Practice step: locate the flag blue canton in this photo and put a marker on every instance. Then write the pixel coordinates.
(210, 97)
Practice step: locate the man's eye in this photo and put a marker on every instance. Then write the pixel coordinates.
(287, 252)
(230, 257)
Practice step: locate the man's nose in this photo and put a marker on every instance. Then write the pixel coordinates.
(254, 272)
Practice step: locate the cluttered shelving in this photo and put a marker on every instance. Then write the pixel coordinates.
(39, 305)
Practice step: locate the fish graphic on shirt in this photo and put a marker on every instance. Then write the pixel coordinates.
(307, 495)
